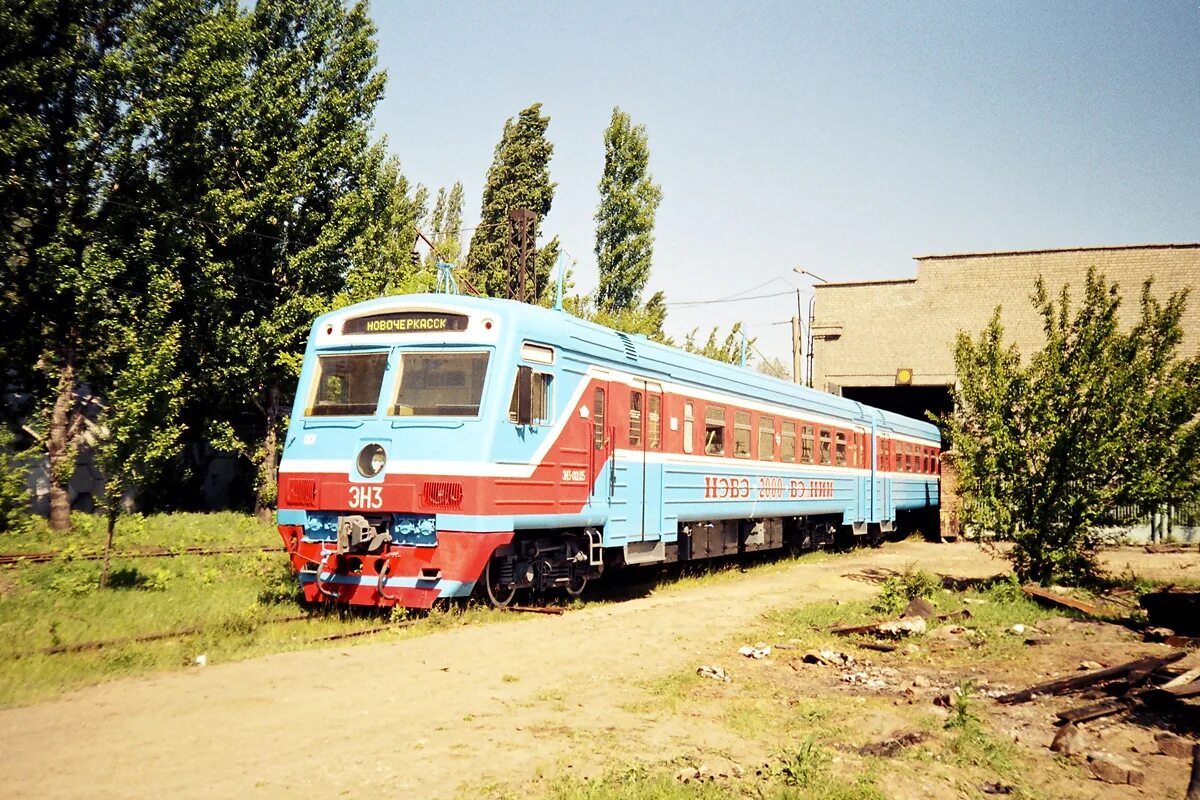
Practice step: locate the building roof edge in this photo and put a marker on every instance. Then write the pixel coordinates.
(1001, 253)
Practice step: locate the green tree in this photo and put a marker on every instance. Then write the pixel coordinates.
(728, 349)
(295, 193)
(69, 140)
(446, 225)
(775, 368)
(1098, 417)
(14, 486)
(645, 319)
(629, 200)
(140, 427)
(381, 256)
(519, 178)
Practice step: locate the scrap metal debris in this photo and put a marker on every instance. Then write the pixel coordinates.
(714, 672)
(1063, 601)
(758, 651)
(1142, 666)
(828, 658)
(903, 626)
(892, 747)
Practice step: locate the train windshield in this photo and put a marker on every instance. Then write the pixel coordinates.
(347, 385)
(439, 384)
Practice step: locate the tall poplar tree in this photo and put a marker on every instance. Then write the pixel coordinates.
(446, 224)
(78, 254)
(629, 199)
(519, 178)
(381, 257)
(299, 196)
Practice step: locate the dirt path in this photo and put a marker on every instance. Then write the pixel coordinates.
(420, 716)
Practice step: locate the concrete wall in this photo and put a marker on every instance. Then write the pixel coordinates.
(864, 332)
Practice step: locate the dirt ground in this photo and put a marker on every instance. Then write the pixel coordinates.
(472, 706)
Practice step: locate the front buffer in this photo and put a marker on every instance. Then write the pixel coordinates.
(383, 560)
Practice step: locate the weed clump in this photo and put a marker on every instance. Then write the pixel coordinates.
(898, 590)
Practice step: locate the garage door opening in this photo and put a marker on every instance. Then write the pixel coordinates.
(911, 401)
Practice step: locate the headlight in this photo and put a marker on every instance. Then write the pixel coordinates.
(371, 460)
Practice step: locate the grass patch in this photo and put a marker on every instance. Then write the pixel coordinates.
(232, 598)
(801, 773)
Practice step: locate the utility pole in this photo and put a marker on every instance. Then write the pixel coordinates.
(797, 356)
(797, 344)
(521, 222)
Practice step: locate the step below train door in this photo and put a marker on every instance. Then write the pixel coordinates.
(652, 463)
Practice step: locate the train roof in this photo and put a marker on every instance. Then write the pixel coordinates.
(635, 352)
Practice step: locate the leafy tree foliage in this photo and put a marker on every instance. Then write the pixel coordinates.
(198, 164)
(14, 486)
(446, 225)
(647, 319)
(1098, 417)
(141, 425)
(775, 368)
(519, 178)
(381, 256)
(629, 199)
(728, 349)
(72, 139)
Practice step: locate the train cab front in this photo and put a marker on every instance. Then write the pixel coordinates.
(381, 492)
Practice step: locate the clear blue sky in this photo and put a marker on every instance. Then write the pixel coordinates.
(843, 137)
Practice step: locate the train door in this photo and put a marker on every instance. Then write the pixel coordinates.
(862, 455)
(602, 447)
(652, 462)
(884, 483)
(875, 454)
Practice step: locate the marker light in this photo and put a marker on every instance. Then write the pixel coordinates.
(371, 460)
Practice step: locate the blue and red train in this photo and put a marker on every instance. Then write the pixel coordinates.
(442, 444)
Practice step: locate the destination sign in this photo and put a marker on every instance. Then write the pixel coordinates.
(405, 322)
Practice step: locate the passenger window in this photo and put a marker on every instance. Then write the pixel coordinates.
(807, 445)
(714, 430)
(654, 421)
(826, 441)
(787, 444)
(839, 451)
(741, 434)
(541, 399)
(688, 427)
(908, 458)
(598, 419)
(635, 419)
(766, 438)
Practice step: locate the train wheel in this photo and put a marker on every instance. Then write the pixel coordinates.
(496, 595)
(576, 585)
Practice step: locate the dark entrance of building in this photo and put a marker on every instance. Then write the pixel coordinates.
(911, 401)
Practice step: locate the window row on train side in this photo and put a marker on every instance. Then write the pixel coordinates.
(756, 436)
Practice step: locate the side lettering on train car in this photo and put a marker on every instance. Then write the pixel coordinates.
(764, 487)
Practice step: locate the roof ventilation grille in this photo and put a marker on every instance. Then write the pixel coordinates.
(630, 350)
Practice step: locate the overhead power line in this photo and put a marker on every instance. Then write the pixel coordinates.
(731, 299)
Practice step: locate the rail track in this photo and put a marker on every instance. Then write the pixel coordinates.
(91, 555)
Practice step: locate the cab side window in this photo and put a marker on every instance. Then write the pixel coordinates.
(541, 399)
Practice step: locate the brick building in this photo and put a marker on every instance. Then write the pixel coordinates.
(868, 337)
